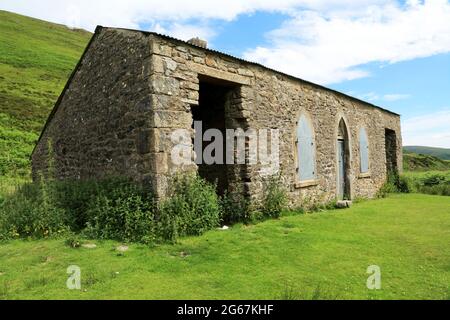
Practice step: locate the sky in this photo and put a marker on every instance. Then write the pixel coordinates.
(392, 53)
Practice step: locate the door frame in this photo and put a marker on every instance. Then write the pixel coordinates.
(341, 170)
(348, 192)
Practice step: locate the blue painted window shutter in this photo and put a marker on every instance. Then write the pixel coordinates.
(305, 150)
(364, 150)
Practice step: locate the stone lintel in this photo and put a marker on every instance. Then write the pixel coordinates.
(306, 184)
(214, 73)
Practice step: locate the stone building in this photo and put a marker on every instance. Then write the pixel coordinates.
(131, 90)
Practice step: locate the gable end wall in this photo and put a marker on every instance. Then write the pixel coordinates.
(100, 126)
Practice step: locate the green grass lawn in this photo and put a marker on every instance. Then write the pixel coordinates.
(321, 255)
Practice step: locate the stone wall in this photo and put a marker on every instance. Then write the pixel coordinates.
(100, 127)
(266, 99)
(134, 89)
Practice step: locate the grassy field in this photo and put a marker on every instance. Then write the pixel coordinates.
(323, 255)
(36, 59)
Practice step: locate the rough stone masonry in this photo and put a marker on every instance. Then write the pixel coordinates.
(132, 89)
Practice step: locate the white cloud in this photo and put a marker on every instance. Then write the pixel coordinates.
(428, 130)
(325, 41)
(396, 97)
(132, 13)
(372, 96)
(329, 47)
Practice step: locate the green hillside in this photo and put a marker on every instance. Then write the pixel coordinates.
(36, 59)
(421, 162)
(440, 153)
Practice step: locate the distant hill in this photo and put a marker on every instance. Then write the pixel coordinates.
(421, 162)
(36, 59)
(441, 153)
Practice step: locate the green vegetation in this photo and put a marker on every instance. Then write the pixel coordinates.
(275, 198)
(441, 153)
(425, 173)
(323, 255)
(111, 209)
(394, 184)
(421, 162)
(296, 256)
(117, 209)
(192, 208)
(36, 59)
(431, 182)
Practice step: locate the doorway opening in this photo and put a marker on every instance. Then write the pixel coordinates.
(213, 112)
(391, 153)
(343, 152)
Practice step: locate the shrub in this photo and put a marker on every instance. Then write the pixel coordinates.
(124, 213)
(394, 184)
(31, 212)
(433, 180)
(275, 198)
(110, 209)
(236, 206)
(192, 208)
(439, 190)
(403, 185)
(120, 210)
(80, 197)
(49, 208)
(75, 197)
(435, 183)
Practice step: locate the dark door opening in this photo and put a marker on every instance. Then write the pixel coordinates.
(214, 101)
(391, 153)
(343, 153)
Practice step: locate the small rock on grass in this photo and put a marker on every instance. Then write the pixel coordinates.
(184, 254)
(344, 204)
(122, 248)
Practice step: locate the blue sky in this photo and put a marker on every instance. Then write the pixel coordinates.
(392, 53)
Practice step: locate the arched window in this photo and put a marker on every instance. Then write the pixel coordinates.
(364, 150)
(306, 168)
